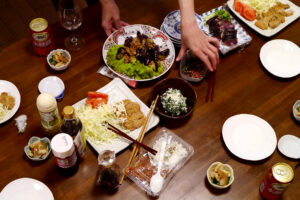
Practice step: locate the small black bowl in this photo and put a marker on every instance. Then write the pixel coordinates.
(186, 89)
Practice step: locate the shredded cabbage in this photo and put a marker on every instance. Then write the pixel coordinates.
(3, 111)
(260, 5)
(93, 121)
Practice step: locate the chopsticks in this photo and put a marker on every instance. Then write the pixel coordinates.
(211, 87)
(121, 133)
(140, 139)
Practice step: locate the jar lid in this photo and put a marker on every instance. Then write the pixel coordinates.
(46, 102)
(106, 158)
(62, 145)
(68, 112)
(38, 24)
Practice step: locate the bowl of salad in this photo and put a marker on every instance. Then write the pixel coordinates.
(177, 98)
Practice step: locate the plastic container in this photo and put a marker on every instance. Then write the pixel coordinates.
(145, 165)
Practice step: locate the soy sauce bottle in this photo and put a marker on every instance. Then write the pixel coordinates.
(108, 174)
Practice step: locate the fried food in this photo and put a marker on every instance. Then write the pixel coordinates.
(38, 149)
(7, 101)
(135, 118)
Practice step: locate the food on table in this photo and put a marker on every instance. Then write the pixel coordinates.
(221, 27)
(298, 110)
(135, 118)
(7, 100)
(3, 111)
(38, 149)
(138, 58)
(96, 99)
(219, 174)
(193, 67)
(245, 10)
(173, 102)
(59, 59)
(21, 123)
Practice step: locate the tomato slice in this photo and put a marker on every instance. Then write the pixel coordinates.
(97, 95)
(238, 6)
(249, 13)
(96, 102)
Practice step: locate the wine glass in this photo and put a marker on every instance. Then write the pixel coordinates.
(70, 16)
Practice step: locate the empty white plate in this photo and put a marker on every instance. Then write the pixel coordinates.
(281, 58)
(26, 189)
(52, 85)
(249, 137)
(289, 146)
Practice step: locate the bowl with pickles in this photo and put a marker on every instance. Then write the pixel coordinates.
(59, 59)
(38, 149)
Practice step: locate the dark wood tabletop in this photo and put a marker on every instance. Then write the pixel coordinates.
(242, 86)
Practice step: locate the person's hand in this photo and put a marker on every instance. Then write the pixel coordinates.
(203, 46)
(111, 16)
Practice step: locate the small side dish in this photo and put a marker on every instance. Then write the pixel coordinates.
(296, 110)
(38, 148)
(220, 175)
(173, 102)
(59, 59)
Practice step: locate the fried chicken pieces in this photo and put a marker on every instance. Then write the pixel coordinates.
(135, 118)
(7, 101)
(274, 16)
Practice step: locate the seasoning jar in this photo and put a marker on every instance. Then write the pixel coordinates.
(64, 153)
(48, 110)
(73, 126)
(108, 174)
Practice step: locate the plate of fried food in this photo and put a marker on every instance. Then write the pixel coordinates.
(10, 100)
(267, 17)
(117, 105)
(138, 52)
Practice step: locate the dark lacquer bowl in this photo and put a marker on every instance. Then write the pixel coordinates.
(186, 89)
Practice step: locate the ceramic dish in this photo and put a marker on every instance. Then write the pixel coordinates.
(118, 91)
(12, 90)
(296, 113)
(243, 38)
(64, 53)
(281, 58)
(289, 145)
(249, 137)
(52, 85)
(31, 141)
(26, 189)
(227, 168)
(269, 32)
(118, 37)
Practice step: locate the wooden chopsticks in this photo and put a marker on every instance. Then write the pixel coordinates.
(140, 139)
(121, 133)
(211, 87)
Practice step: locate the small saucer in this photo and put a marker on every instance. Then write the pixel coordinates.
(52, 85)
(289, 145)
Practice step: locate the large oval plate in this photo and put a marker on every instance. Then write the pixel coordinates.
(118, 37)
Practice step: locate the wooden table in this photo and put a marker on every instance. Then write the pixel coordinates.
(243, 86)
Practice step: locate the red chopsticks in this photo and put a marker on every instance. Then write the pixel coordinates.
(211, 87)
(121, 133)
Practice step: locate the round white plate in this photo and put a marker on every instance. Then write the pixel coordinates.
(159, 38)
(249, 137)
(26, 189)
(289, 145)
(52, 85)
(12, 90)
(281, 58)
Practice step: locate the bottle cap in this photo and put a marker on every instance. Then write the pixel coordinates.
(68, 112)
(38, 24)
(62, 145)
(106, 158)
(46, 102)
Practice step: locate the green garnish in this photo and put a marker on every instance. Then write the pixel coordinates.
(222, 14)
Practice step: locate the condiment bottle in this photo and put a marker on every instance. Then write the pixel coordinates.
(73, 126)
(64, 153)
(48, 110)
(108, 175)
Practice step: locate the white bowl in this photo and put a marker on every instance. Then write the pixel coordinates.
(228, 167)
(297, 103)
(52, 85)
(63, 67)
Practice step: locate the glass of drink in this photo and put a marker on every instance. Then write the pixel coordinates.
(70, 16)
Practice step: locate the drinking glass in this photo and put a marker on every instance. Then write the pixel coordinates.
(70, 16)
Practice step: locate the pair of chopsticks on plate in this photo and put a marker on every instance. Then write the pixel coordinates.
(140, 139)
(211, 87)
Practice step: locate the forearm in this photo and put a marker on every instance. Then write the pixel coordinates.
(105, 1)
(187, 11)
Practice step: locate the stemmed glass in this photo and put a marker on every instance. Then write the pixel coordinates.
(70, 15)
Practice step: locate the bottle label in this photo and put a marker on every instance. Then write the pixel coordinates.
(40, 37)
(80, 144)
(50, 120)
(67, 162)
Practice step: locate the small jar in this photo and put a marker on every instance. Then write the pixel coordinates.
(48, 110)
(64, 153)
(108, 174)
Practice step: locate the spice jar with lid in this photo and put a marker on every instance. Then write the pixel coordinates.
(48, 110)
(73, 126)
(108, 175)
(64, 153)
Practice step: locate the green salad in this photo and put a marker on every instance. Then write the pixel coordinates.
(173, 102)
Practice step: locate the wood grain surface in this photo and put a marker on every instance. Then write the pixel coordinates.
(242, 86)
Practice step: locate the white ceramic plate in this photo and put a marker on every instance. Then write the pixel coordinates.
(118, 91)
(249, 137)
(12, 90)
(289, 145)
(52, 85)
(281, 58)
(269, 32)
(26, 189)
(161, 39)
